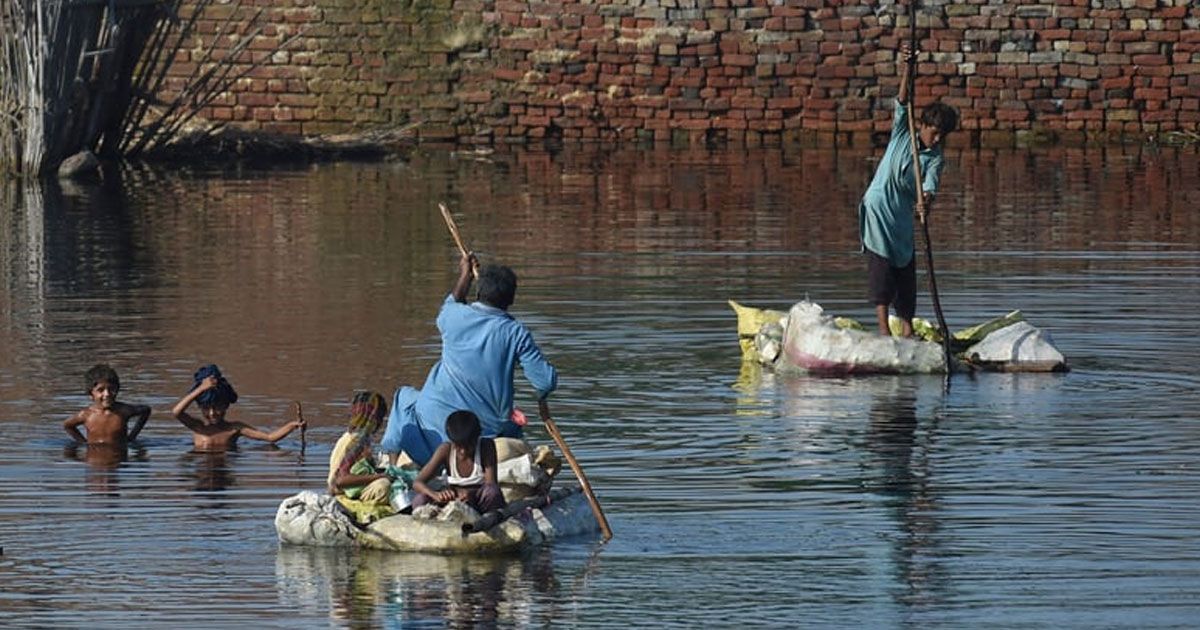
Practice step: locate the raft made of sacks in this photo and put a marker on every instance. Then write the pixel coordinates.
(807, 340)
(535, 513)
(314, 519)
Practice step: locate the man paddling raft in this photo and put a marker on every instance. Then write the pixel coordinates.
(482, 344)
(885, 215)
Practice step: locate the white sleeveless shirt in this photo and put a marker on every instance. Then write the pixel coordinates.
(454, 478)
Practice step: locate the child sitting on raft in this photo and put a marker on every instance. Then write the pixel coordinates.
(213, 432)
(470, 463)
(106, 420)
(353, 475)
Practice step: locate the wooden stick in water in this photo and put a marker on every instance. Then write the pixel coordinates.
(544, 411)
(303, 424)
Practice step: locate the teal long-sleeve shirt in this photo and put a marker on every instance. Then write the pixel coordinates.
(885, 215)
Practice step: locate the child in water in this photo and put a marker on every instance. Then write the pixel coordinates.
(470, 463)
(106, 420)
(213, 432)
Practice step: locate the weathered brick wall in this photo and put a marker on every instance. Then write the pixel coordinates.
(490, 71)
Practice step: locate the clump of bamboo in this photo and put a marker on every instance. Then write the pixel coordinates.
(62, 65)
(87, 74)
(28, 28)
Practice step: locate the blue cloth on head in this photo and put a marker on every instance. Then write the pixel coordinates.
(222, 394)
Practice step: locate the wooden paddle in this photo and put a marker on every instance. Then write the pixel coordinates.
(552, 429)
(453, 227)
(921, 215)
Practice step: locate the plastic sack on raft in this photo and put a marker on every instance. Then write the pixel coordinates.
(314, 519)
(1018, 347)
(813, 342)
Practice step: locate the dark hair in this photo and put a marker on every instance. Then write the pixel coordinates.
(462, 427)
(101, 372)
(222, 394)
(940, 116)
(497, 286)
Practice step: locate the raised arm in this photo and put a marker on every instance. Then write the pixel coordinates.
(141, 413)
(180, 409)
(435, 463)
(272, 437)
(71, 425)
(906, 55)
(466, 265)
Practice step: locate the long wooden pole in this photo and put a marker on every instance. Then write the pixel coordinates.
(552, 429)
(921, 215)
(453, 227)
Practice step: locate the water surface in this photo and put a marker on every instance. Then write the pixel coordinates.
(736, 497)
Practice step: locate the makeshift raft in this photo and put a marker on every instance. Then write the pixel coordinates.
(318, 520)
(807, 340)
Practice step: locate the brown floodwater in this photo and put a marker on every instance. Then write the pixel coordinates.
(735, 496)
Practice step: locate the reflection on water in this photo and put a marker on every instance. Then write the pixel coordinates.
(363, 589)
(1011, 500)
(103, 461)
(212, 469)
(902, 473)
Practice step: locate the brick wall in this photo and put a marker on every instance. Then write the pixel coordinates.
(752, 71)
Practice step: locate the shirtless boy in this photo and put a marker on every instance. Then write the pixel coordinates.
(106, 420)
(212, 432)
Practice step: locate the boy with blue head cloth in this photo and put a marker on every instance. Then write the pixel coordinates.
(482, 345)
(213, 393)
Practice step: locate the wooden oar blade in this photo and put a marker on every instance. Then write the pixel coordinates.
(552, 429)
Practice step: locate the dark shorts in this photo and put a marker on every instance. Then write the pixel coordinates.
(896, 286)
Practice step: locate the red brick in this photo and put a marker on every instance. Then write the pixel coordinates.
(739, 60)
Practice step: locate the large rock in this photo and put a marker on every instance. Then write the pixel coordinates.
(81, 164)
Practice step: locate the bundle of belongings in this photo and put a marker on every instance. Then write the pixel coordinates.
(521, 470)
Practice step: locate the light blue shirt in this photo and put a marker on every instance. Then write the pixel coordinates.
(481, 348)
(885, 216)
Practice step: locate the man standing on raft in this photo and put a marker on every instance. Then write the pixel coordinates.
(885, 215)
(481, 346)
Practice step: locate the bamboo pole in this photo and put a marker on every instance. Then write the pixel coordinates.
(947, 356)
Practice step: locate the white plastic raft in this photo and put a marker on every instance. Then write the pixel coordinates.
(806, 339)
(314, 519)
